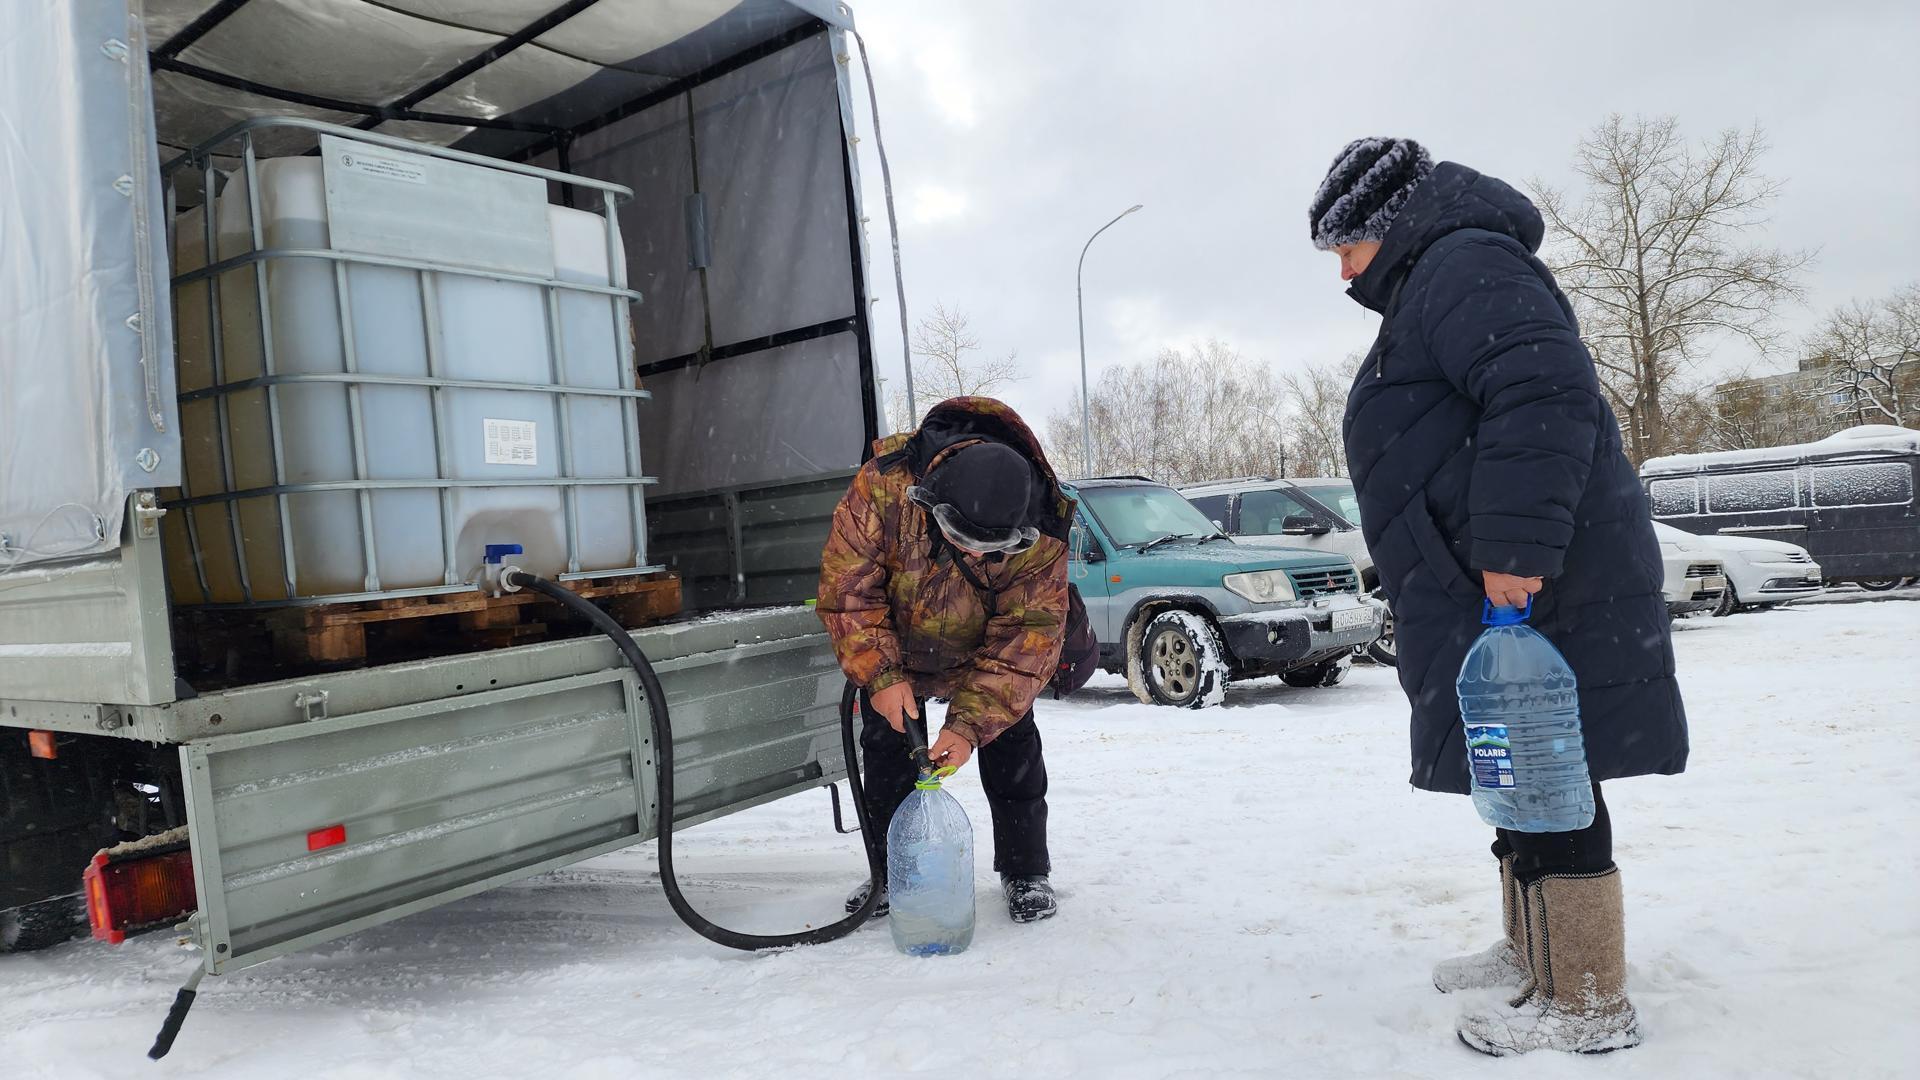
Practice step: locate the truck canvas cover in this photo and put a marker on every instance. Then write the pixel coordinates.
(86, 362)
(728, 119)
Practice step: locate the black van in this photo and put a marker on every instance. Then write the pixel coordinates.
(1848, 499)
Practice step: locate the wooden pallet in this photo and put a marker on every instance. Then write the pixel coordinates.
(382, 631)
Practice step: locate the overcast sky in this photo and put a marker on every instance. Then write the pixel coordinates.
(1017, 127)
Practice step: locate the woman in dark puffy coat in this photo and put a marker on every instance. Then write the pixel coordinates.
(1489, 467)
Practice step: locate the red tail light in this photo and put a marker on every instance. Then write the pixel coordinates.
(135, 893)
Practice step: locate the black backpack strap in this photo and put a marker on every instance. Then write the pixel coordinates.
(938, 543)
(972, 579)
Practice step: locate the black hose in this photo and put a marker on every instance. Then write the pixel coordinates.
(170, 1029)
(663, 785)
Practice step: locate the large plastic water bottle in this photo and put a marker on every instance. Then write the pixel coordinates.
(1521, 710)
(930, 872)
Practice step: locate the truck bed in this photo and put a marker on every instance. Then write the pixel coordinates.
(455, 775)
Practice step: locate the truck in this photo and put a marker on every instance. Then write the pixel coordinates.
(259, 667)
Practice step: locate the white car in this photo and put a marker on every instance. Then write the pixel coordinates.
(1695, 578)
(1760, 573)
(1315, 513)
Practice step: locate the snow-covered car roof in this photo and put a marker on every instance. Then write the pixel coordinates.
(1114, 481)
(1215, 487)
(1865, 439)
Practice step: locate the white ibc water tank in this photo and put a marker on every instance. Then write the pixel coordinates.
(404, 323)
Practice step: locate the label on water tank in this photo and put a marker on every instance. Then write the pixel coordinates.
(516, 442)
(382, 200)
(386, 168)
(1490, 755)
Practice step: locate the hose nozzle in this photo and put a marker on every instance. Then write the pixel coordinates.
(916, 732)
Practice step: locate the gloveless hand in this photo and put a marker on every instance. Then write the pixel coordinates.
(951, 748)
(895, 703)
(1507, 590)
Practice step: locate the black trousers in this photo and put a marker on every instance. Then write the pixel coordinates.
(1012, 772)
(1583, 851)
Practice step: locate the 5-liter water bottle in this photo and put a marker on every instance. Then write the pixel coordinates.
(1521, 711)
(930, 872)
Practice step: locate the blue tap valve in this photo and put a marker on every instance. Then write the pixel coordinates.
(495, 556)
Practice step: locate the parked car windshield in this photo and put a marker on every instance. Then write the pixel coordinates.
(1338, 498)
(1135, 515)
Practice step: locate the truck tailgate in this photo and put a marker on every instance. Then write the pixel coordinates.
(305, 832)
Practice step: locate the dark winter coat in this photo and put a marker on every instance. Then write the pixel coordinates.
(1478, 440)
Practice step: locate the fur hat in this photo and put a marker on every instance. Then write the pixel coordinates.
(1369, 182)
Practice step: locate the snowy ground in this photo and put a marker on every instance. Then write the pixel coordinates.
(1246, 891)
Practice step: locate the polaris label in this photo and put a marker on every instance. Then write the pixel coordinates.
(1490, 756)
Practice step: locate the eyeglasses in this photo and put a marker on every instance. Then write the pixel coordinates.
(1009, 541)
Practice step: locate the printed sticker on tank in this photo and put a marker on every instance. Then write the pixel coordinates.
(385, 168)
(1490, 755)
(511, 442)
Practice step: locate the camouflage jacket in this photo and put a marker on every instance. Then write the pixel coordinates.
(897, 606)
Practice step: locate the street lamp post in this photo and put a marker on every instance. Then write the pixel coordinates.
(1080, 303)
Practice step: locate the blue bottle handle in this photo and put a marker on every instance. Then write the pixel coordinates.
(1494, 615)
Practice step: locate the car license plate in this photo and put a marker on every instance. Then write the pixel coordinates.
(1350, 618)
(1714, 584)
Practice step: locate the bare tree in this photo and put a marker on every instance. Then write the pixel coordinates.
(1655, 257)
(1317, 398)
(1140, 413)
(945, 366)
(1870, 356)
(1747, 410)
(1060, 436)
(1692, 420)
(1187, 415)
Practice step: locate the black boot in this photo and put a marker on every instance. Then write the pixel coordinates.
(859, 896)
(1029, 898)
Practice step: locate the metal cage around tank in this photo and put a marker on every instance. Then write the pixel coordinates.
(199, 164)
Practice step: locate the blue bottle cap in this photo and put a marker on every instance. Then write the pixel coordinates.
(1491, 615)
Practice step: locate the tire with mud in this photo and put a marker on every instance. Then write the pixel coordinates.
(1382, 650)
(1729, 602)
(1180, 661)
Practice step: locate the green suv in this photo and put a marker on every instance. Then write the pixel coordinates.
(1181, 608)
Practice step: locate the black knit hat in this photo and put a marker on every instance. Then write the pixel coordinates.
(982, 497)
(1369, 182)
